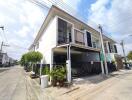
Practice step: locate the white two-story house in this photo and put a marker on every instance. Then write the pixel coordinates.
(61, 30)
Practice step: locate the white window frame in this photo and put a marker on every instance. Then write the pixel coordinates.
(72, 30)
(94, 37)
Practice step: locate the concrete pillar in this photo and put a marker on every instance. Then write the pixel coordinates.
(85, 37)
(51, 63)
(41, 67)
(102, 68)
(73, 35)
(68, 63)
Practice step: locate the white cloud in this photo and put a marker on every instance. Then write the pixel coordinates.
(98, 5)
(21, 19)
(24, 31)
(115, 17)
(72, 3)
(31, 14)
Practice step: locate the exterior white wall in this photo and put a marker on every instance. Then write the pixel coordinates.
(48, 41)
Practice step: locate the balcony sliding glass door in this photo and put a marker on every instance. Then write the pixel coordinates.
(89, 39)
(64, 32)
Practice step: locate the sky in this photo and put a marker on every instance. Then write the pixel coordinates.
(22, 20)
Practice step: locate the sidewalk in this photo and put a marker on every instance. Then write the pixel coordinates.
(82, 88)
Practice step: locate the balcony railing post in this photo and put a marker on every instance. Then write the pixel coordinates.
(85, 38)
(73, 35)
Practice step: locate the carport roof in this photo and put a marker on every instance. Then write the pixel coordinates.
(77, 47)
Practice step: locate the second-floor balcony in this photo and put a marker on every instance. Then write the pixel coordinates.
(68, 34)
(110, 47)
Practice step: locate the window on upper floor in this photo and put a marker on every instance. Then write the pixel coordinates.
(112, 48)
(95, 42)
(89, 43)
(79, 37)
(105, 47)
(115, 48)
(64, 31)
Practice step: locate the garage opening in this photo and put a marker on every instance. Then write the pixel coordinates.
(83, 62)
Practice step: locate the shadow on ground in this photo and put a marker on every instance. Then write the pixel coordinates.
(92, 79)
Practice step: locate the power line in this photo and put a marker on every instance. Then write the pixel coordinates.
(41, 4)
(16, 46)
(5, 36)
(20, 47)
(95, 24)
(73, 12)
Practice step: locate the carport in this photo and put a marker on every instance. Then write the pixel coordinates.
(84, 61)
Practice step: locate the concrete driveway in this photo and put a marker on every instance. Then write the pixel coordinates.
(117, 86)
(120, 88)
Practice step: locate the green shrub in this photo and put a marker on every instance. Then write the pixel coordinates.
(58, 75)
(45, 70)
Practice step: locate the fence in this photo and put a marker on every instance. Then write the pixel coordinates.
(85, 68)
(80, 69)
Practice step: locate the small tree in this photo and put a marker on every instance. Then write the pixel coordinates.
(129, 56)
(34, 57)
(23, 60)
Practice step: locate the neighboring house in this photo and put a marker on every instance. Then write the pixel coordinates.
(112, 54)
(61, 29)
(11, 61)
(4, 59)
(110, 49)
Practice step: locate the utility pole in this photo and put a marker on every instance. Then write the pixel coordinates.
(103, 50)
(122, 44)
(2, 44)
(1, 47)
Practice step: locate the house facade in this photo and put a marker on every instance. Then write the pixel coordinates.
(64, 39)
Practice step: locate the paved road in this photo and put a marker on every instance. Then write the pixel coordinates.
(4, 69)
(14, 85)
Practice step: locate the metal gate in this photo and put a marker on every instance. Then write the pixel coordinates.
(80, 69)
